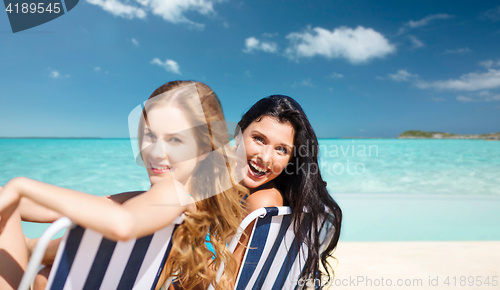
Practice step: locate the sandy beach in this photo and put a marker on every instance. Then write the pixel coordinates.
(417, 265)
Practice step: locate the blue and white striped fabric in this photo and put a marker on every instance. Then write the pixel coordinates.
(273, 259)
(86, 260)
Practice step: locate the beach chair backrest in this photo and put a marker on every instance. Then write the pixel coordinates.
(87, 260)
(273, 259)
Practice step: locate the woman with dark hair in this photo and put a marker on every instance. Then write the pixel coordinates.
(282, 156)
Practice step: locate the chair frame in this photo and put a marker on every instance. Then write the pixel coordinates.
(39, 251)
(65, 223)
(253, 216)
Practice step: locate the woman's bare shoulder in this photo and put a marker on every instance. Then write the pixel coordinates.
(265, 198)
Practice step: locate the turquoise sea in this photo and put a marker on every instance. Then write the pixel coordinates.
(454, 167)
(389, 189)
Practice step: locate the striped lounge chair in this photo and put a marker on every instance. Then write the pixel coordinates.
(87, 260)
(273, 259)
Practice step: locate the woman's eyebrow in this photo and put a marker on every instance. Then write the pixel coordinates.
(257, 132)
(166, 135)
(288, 146)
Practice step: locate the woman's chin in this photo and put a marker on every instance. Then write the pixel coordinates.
(155, 179)
(251, 183)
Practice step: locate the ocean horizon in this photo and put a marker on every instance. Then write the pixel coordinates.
(417, 166)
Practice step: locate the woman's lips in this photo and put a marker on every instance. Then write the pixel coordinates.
(256, 170)
(159, 169)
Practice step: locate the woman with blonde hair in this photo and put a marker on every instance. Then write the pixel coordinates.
(182, 140)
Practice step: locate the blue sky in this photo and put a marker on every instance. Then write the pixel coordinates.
(358, 68)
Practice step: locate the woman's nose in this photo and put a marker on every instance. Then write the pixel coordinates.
(158, 150)
(266, 153)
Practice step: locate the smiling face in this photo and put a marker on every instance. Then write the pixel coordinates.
(268, 146)
(169, 145)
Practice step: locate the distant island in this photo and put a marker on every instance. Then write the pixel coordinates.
(416, 134)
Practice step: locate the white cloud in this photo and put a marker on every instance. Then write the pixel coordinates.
(336, 76)
(416, 43)
(464, 99)
(474, 81)
(493, 98)
(356, 45)
(437, 99)
(253, 44)
(135, 41)
(462, 50)
(489, 63)
(426, 20)
(483, 96)
(168, 65)
(402, 76)
(118, 8)
(305, 83)
(423, 22)
(493, 14)
(172, 10)
(269, 35)
(55, 74)
(98, 69)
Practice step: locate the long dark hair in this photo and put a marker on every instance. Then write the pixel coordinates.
(301, 183)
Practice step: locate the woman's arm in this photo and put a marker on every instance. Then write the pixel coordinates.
(137, 217)
(33, 212)
(51, 250)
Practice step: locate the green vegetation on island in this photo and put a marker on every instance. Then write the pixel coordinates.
(416, 134)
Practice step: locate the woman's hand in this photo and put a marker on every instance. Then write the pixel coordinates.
(9, 200)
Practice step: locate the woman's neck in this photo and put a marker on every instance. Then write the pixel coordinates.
(265, 185)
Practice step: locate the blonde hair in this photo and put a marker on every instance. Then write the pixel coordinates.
(219, 208)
